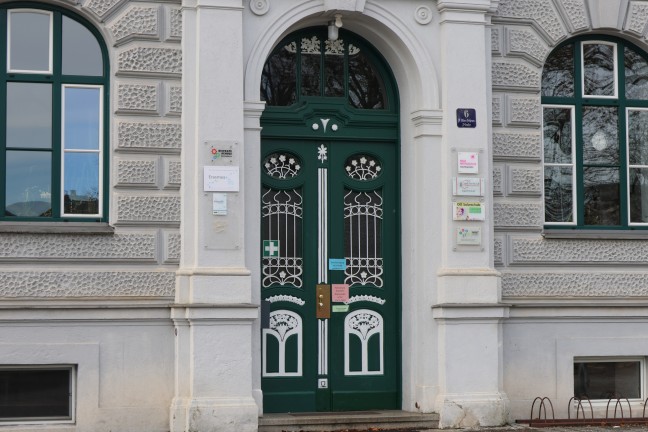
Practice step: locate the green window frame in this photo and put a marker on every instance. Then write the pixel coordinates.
(54, 93)
(595, 135)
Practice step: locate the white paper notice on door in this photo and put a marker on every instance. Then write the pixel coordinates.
(221, 178)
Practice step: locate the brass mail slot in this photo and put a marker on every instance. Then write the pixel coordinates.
(323, 301)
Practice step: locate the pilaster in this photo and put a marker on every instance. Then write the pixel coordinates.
(214, 311)
(468, 309)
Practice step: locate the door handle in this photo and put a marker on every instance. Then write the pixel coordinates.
(323, 301)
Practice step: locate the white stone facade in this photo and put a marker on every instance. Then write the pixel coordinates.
(161, 315)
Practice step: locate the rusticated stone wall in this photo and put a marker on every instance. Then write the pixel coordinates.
(139, 260)
(524, 33)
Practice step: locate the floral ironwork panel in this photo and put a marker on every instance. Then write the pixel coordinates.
(281, 233)
(362, 167)
(363, 212)
(282, 165)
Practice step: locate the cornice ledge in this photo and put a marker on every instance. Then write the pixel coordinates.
(427, 122)
(212, 4)
(344, 5)
(214, 271)
(471, 271)
(484, 6)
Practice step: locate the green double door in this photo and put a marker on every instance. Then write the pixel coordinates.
(330, 275)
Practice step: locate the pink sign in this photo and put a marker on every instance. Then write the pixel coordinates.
(340, 292)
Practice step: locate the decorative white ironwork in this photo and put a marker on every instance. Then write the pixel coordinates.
(291, 47)
(282, 220)
(285, 298)
(310, 46)
(366, 297)
(335, 47)
(282, 165)
(321, 153)
(325, 122)
(363, 324)
(362, 220)
(362, 167)
(284, 324)
(353, 50)
(322, 255)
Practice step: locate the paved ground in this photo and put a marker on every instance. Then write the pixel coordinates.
(513, 428)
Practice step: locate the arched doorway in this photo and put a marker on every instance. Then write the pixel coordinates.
(330, 227)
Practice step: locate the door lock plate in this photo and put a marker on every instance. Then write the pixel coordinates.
(323, 301)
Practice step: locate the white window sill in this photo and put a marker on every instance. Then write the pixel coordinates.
(637, 234)
(57, 227)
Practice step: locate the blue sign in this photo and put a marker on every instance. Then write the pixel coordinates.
(466, 118)
(337, 264)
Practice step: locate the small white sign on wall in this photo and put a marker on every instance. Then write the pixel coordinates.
(221, 178)
(468, 186)
(469, 236)
(468, 162)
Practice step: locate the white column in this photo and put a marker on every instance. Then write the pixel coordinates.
(468, 308)
(213, 311)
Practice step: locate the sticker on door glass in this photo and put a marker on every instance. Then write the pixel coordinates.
(337, 264)
(270, 248)
(340, 293)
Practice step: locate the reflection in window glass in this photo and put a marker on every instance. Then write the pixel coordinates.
(636, 75)
(81, 51)
(279, 77)
(29, 180)
(557, 132)
(81, 183)
(601, 196)
(558, 73)
(558, 193)
(638, 195)
(334, 68)
(600, 135)
(366, 89)
(638, 137)
(607, 380)
(29, 115)
(311, 59)
(29, 41)
(82, 117)
(599, 77)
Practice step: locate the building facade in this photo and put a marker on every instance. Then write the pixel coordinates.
(216, 209)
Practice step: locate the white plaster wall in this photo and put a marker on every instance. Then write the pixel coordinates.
(540, 345)
(124, 362)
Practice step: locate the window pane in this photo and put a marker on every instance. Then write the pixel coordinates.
(81, 183)
(29, 115)
(600, 135)
(279, 78)
(598, 62)
(606, 380)
(29, 41)
(558, 73)
(81, 51)
(638, 137)
(366, 89)
(334, 64)
(81, 118)
(557, 133)
(601, 200)
(639, 195)
(310, 66)
(558, 191)
(29, 393)
(636, 75)
(28, 191)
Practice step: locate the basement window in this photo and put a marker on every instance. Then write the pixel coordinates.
(604, 379)
(35, 394)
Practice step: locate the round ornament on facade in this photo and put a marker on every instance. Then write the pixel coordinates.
(259, 7)
(423, 15)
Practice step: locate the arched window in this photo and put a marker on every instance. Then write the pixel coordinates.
(595, 135)
(53, 116)
(307, 64)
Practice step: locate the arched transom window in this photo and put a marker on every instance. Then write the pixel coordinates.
(53, 92)
(307, 64)
(595, 135)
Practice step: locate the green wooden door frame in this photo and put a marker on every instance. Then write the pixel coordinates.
(318, 135)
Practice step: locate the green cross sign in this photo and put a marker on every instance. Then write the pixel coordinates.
(270, 248)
